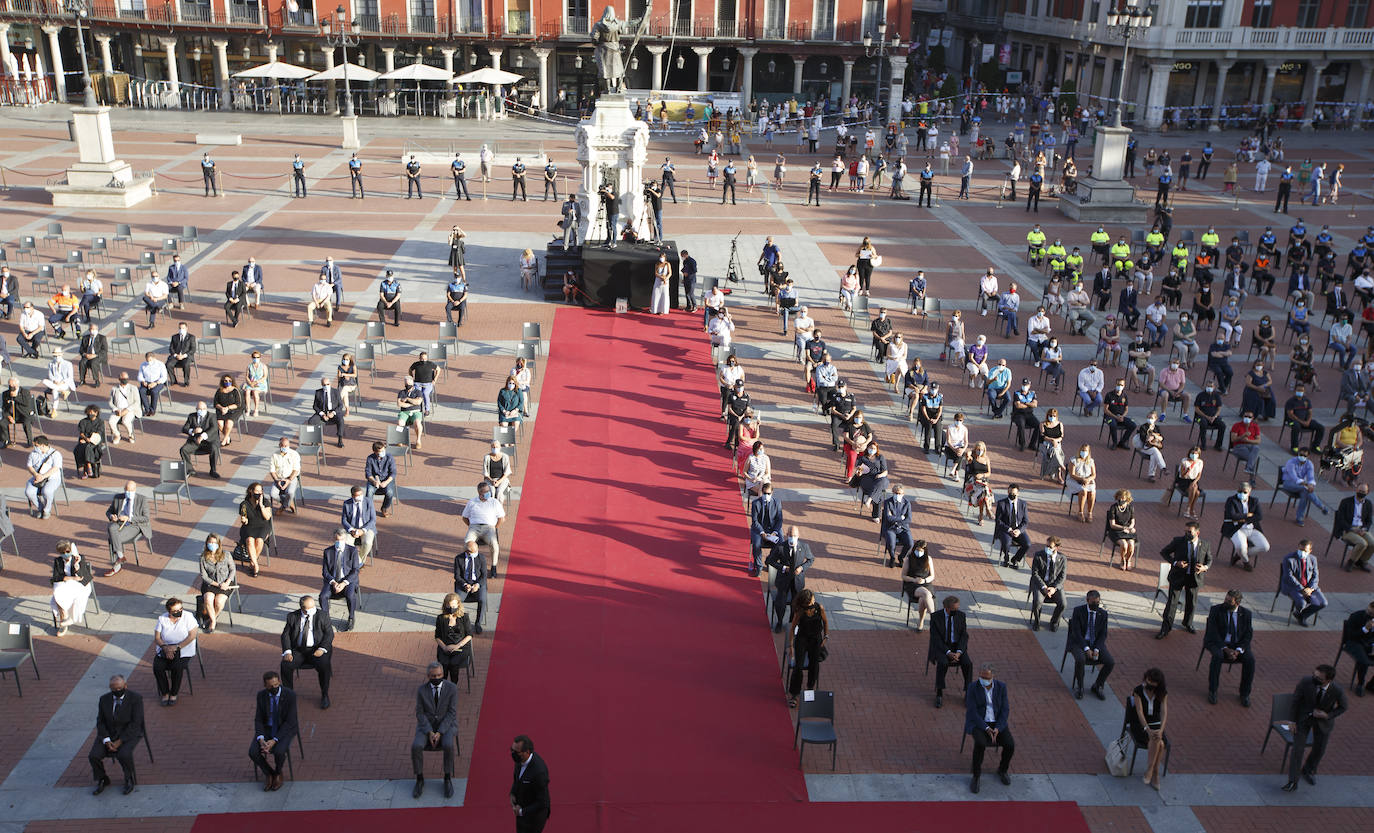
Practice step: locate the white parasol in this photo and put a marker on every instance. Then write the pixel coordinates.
(488, 75)
(336, 73)
(276, 69)
(417, 72)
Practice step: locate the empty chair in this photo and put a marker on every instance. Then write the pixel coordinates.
(211, 337)
(169, 247)
(123, 234)
(529, 331)
(365, 358)
(28, 246)
(448, 333)
(123, 280)
(376, 333)
(54, 232)
(508, 438)
(311, 438)
(526, 350)
(45, 281)
(172, 481)
(75, 262)
(280, 359)
(300, 335)
(398, 442)
(148, 259)
(100, 248)
(190, 234)
(816, 724)
(16, 648)
(125, 338)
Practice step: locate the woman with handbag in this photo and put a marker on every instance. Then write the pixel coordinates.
(1147, 712)
(866, 258)
(174, 636)
(72, 583)
(810, 630)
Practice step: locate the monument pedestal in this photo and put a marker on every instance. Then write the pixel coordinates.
(612, 147)
(1106, 196)
(350, 133)
(99, 180)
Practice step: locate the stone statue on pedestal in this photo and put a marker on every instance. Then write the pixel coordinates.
(610, 63)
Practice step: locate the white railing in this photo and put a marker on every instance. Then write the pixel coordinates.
(1275, 39)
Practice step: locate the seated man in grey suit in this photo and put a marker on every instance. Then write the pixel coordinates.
(274, 727)
(340, 573)
(1048, 572)
(790, 558)
(359, 519)
(128, 521)
(1087, 642)
(436, 727)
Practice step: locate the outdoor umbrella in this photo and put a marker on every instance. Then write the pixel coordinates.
(417, 72)
(336, 73)
(276, 69)
(488, 75)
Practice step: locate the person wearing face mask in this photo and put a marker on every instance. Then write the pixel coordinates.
(750, 432)
(128, 520)
(1147, 713)
(1148, 442)
(986, 714)
(436, 726)
(202, 437)
(1120, 427)
(737, 404)
(1245, 440)
(181, 355)
(976, 361)
(274, 727)
(379, 470)
(932, 411)
(1297, 414)
(253, 285)
(842, 408)
(1049, 569)
(758, 467)
(470, 583)
(1353, 519)
(410, 407)
(174, 639)
(327, 409)
(857, 436)
(118, 729)
(1301, 359)
(882, 331)
(1229, 631)
(307, 641)
(997, 388)
(71, 587)
(529, 791)
(1189, 558)
(1087, 644)
(870, 476)
(787, 563)
(1317, 701)
(894, 528)
(483, 516)
(217, 580)
(1023, 417)
(1355, 387)
(1010, 527)
(918, 576)
(765, 526)
(810, 628)
(1242, 524)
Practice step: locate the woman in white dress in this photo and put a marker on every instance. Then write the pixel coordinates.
(758, 470)
(897, 356)
(529, 266)
(71, 587)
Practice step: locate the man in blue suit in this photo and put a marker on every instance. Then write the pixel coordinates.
(986, 711)
(1298, 581)
(252, 282)
(380, 472)
(178, 280)
(332, 274)
(765, 526)
(340, 572)
(359, 519)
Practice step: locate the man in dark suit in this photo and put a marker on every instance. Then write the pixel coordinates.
(16, 411)
(274, 727)
(1299, 580)
(202, 437)
(1189, 557)
(436, 727)
(380, 472)
(948, 645)
(128, 521)
(895, 526)
(986, 712)
(529, 789)
(328, 408)
(340, 573)
(306, 641)
(1228, 640)
(1242, 523)
(359, 519)
(1357, 640)
(118, 729)
(765, 526)
(93, 355)
(253, 284)
(1087, 642)
(470, 579)
(1049, 569)
(1010, 527)
(1317, 702)
(334, 276)
(181, 354)
(790, 558)
(235, 299)
(1353, 518)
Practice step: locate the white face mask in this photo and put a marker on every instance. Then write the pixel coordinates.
(986, 683)
(212, 546)
(381, 452)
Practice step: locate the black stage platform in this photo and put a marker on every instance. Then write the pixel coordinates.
(627, 271)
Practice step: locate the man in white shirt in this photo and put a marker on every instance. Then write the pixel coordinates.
(1157, 321)
(61, 378)
(32, 327)
(802, 326)
(1038, 331)
(321, 298)
(45, 476)
(155, 296)
(1080, 316)
(285, 470)
(1090, 385)
(152, 383)
(252, 283)
(123, 399)
(483, 515)
(721, 329)
(987, 292)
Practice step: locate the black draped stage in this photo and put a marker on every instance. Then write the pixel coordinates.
(627, 271)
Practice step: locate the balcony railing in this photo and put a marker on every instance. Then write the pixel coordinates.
(240, 13)
(196, 13)
(470, 26)
(774, 31)
(519, 23)
(423, 24)
(1276, 39)
(369, 22)
(577, 26)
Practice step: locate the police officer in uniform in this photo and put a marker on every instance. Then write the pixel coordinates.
(550, 180)
(460, 183)
(413, 179)
(728, 183)
(814, 189)
(668, 178)
(927, 185)
(517, 180)
(207, 173)
(298, 177)
(355, 177)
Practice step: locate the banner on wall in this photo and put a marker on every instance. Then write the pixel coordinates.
(933, 39)
(1004, 54)
(947, 38)
(987, 53)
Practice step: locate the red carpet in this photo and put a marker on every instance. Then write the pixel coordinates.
(632, 647)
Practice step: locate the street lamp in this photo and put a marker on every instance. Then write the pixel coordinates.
(880, 49)
(338, 31)
(1126, 22)
(79, 9)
